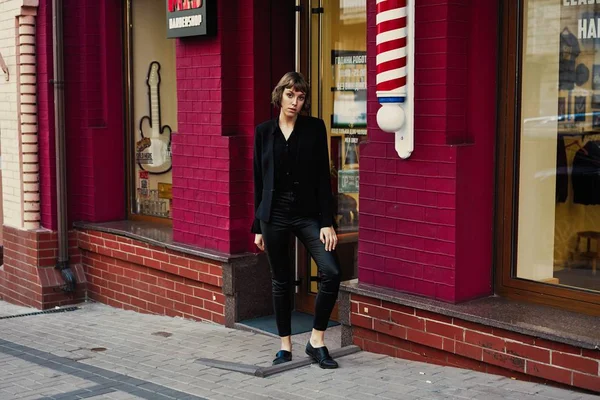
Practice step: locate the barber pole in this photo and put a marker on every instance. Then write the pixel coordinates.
(394, 80)
(391, 51)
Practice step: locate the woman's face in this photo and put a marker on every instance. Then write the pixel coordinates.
(292, 102)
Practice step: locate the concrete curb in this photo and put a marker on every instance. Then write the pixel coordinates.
(263, 372)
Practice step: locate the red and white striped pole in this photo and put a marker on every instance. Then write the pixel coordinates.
(392, 67)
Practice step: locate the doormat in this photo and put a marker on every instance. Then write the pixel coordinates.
(301, 323)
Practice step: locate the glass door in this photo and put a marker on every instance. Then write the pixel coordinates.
(333, 56)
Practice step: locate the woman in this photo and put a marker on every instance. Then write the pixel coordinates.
(292, 195)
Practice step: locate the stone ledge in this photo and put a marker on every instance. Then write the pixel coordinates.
(529, 319)
(159, 235)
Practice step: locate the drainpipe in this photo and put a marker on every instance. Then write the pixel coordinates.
(59, 132)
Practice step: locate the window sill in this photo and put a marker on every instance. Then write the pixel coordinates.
(529, 319)
(159, 235)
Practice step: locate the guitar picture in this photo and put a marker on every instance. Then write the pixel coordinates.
(153, 152)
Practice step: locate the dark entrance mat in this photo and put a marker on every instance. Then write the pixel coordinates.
(301, 323)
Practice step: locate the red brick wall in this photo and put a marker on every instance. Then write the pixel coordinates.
(133, 275)
(414, 334)
(413, 211)
(28, 276)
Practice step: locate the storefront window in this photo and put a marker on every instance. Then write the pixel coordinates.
(152, 112)
(558, 232)
(342, 95)
(339, 86)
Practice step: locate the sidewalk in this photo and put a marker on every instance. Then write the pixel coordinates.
(101, 352)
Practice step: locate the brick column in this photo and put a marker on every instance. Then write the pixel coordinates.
(27, 275)
(426, 222)
(28, 120)
(217, 78)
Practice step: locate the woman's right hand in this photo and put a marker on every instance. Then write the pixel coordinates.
(259, 242)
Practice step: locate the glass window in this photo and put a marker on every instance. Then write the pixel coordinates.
(153, 108)
(558, 231)
(339, 86)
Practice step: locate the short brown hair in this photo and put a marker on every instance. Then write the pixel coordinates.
(290, 80)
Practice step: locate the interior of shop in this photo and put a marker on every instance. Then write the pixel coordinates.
(559, 174)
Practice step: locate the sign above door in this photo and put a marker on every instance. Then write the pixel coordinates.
(191, 18)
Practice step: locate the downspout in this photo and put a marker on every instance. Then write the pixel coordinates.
(59, 132)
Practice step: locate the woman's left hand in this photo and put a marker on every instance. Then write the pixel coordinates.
(329, 238)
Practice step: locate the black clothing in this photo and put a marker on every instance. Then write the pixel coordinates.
(586, 175)
(311, 176)
(562, 173)
(569, 50)
(285, 153)
(276, 235)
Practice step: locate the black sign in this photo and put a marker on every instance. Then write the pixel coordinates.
(191, 18)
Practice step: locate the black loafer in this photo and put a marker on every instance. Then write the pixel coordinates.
(321, 356)
(282, 356)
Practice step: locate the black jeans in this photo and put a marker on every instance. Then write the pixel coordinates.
(276, 236)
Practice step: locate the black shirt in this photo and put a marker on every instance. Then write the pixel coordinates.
(285, 153)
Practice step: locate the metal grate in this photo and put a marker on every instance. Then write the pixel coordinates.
(53, 311)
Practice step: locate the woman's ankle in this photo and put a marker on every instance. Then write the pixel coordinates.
(317, 338)
(286, 343)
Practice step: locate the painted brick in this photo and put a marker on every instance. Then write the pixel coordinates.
(407, 320)
(504, 360)
(445, 330)
(514, 336)
(378, 348)
(485, 341)
(528, 352)
(424, 338)
(361, 321)
(563, 348)
(389, 329)
(569, 361)
(473, 326)
(366, 300)
(586, 381)
(549, 372)
(449, 345)
(131, 284)
(470, 351)
(434, 316)
(374, 311)
(595, 354)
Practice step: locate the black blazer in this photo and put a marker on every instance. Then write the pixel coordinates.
(312, 179)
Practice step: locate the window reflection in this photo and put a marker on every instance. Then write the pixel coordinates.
(559, 164)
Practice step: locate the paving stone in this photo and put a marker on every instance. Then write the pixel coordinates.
(43, 349)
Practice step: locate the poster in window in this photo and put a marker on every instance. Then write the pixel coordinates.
(349, 92)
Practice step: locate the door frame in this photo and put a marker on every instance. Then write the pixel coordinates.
(507, 172)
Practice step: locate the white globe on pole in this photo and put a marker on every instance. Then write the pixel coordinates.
(390, 117)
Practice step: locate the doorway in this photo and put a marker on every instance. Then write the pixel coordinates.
(331, 48)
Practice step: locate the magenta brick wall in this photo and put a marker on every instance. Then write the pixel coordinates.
(46, 116)
(475, 163)
(94, 110)
(201, 205)
(223, 90)
(422, 230)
